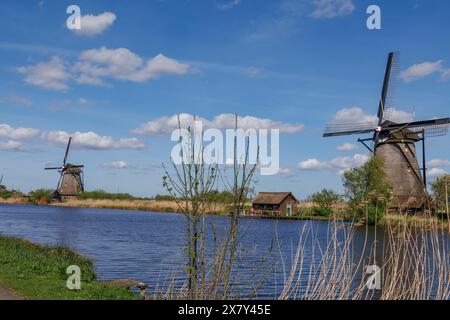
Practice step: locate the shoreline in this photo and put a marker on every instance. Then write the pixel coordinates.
(165, 206)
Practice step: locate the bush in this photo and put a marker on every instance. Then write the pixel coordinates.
(37, 195)
(324, 201)
(367, 190)
(164, 197)
(103, 195)
(438, 187)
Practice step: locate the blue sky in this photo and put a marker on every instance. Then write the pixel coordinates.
(296, 62)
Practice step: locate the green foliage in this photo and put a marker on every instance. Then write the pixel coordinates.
(438, 187)
(103, 195)
(220, 196)
(39, 272)
(36, 195)
(6, 194)
(324, 201)
(367, 190)
(164, 197)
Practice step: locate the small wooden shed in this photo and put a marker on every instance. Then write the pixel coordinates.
(279, 203)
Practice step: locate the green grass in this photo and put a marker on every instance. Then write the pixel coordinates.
(39, 272)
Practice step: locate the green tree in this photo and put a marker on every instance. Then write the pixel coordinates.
(367, 190)
(38, 194)
(438, 187)
(324, 201)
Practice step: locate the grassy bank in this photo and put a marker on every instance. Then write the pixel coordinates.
(39, 272)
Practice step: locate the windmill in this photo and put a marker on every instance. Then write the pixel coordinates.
(396, 144)
(71, 180)
(2, 187)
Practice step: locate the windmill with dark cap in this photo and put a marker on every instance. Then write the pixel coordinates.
(395, 142)
(71, 180)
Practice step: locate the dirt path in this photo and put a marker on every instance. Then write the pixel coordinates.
(8, 294)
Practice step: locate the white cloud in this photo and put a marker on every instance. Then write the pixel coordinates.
(285, 172)
(332, 8)
(122, 64)
(91, 140)
(6, 131)
(18, 100)
(51, 75)
(398, 116)
(94, 65)
(353, 115)
(228, 5)
(92, 25)
(345, 147)
(12, 146)
(310, 165)
(115, 165)
(422, 70)
(356, 117)
(439, 163)
(338, 165)
(165, 125)
(436, 172)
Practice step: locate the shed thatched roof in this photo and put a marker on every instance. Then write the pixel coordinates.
(272, 197)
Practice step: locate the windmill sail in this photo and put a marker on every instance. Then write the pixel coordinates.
(388, 94)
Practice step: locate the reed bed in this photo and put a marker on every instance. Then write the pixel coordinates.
(143, 205)
(413, 261)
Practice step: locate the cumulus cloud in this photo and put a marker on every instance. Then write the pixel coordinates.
(51, 75)
(12, 146)
(122, 64)
(6, 131)
(436, 172)
(95, 65)
(345, 147)
(228, 5)
(422, 70)
(115, 165)
(338, 165)
(332, 8)
(439, 163)
(93, 25)
(398, 116)
(165, 125)
(353, 115)
(356, 117)
(285, 172)
(91, 140)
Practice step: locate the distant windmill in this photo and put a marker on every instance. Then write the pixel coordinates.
(2, 187)
(395, 143)
(71, 180)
